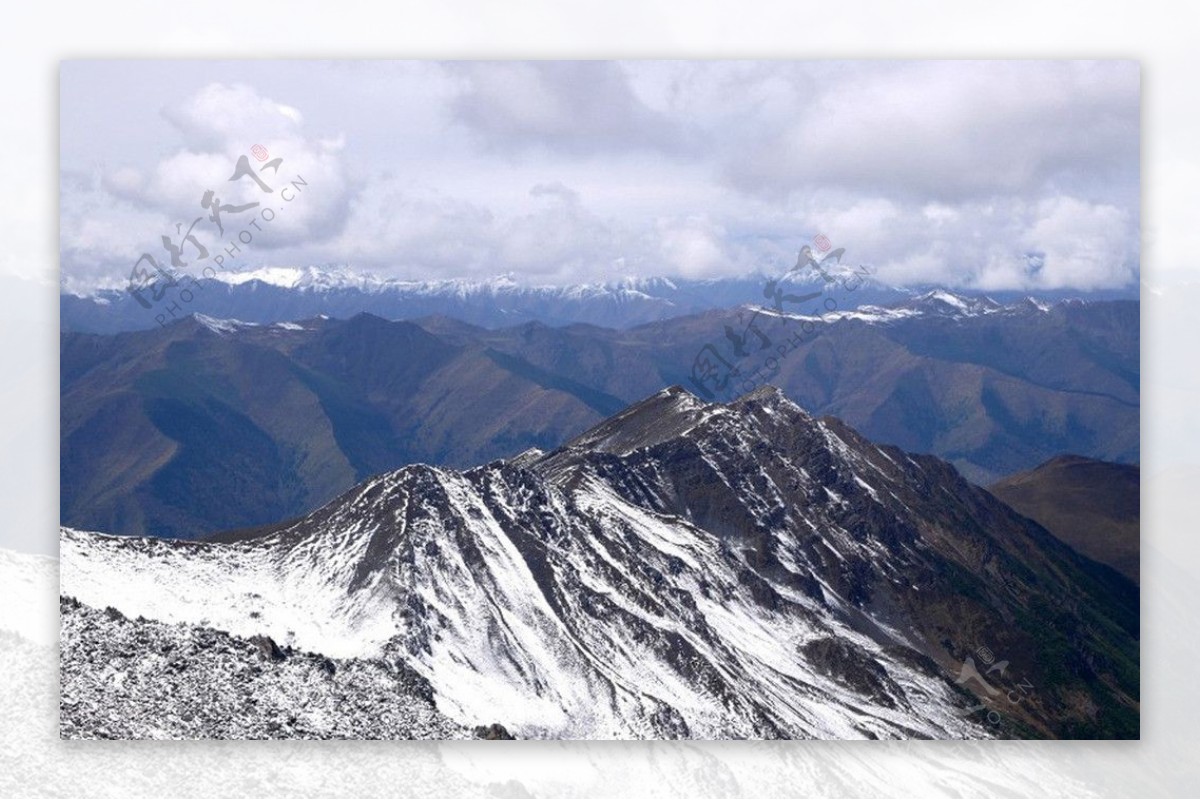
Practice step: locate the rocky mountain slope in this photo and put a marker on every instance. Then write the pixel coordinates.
(138, 679)
(684, 569)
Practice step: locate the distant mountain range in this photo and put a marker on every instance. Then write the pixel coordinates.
(282, 294)
(209, 424)
(683, 569)
(1093, 506)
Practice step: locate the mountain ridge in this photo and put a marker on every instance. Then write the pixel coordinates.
(283, 294)
(301, 411)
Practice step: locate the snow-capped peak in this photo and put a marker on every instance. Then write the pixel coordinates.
(222, 326)
(946, 302)
(1038, 304)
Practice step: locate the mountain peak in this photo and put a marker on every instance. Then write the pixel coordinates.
(683, 569)
(676, 391)
(661, 416)
(774, 402)
(767, 394)
(222, 326)
(948, 303)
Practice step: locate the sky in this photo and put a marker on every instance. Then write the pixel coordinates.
(978, 175)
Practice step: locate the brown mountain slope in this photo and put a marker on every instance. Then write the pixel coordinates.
(212, 424)
(1093, 506)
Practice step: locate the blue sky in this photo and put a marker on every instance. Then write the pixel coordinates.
(990, 175)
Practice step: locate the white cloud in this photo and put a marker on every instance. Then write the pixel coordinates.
(219, 114)
(134, 206)
(992, 175)
(948, 131)
(1082, 243)
(693, 246)
(573, 106)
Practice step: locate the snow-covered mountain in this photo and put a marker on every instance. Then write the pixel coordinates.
(280, 294)
(285, 294)
(683, 569)
(937, 303)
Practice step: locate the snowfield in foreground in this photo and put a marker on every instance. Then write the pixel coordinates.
(126, 679)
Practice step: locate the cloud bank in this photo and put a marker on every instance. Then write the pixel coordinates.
(991, 175)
